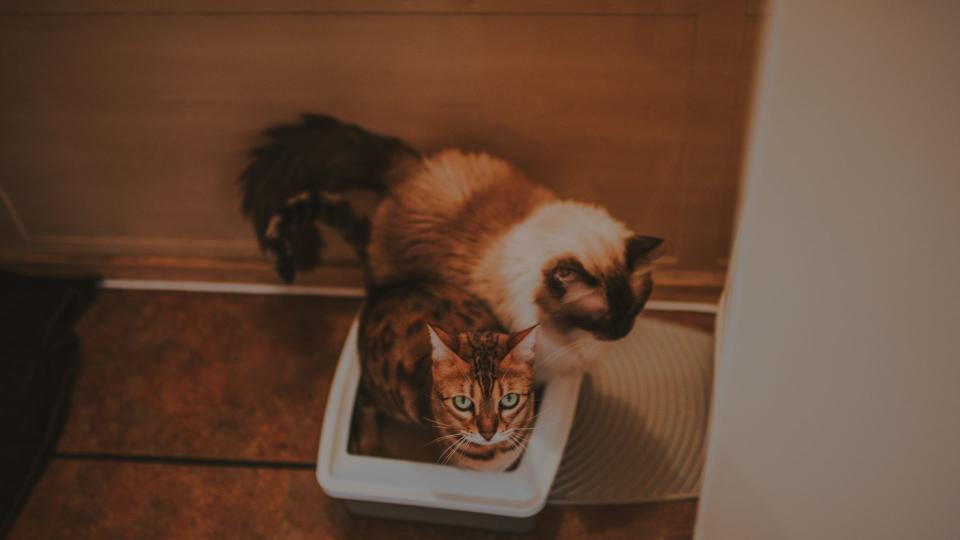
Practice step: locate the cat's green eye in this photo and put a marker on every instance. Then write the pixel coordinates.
(509, 401)
(462, 402)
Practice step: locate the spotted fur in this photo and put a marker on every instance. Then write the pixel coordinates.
(405, 376)
(487, 368)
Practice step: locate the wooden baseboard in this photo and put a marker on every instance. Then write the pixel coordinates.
(671, 284)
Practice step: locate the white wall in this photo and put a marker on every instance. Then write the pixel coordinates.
(837, 405)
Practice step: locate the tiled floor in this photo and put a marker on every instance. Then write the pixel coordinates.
(197, 416)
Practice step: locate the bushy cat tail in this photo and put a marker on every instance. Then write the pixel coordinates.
(294, 181)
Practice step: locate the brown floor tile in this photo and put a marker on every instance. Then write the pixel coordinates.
(214, 375)
(89, 499)
(671, 520)
(86, 499)
(237, 377)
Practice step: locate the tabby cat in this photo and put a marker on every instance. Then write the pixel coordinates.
(466, 219)
(474, 386)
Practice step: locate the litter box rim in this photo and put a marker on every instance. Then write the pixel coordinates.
(520, 493)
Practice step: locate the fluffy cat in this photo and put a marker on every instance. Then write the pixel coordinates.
(467, 219)
(475, 387)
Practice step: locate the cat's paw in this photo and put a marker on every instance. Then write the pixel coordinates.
(291, 237)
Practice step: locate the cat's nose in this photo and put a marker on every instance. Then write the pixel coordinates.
(487, 425)
(616, 329)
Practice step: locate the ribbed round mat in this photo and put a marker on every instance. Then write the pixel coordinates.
(638, 433)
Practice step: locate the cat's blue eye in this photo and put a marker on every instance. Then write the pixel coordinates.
(462, 402)
(509, 401)
(564, 275)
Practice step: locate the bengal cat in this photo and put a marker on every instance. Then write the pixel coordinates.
(473, 385)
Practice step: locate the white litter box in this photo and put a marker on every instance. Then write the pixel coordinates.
(395, 488)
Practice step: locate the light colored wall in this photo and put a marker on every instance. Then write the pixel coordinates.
(124, 124)
(837, 398)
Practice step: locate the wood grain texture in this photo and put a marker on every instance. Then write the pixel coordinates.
(598, 7)
(123, 132)
(245, 270)
(145, 120)
(715, 122)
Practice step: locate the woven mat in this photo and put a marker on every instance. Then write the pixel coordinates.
(640, 424)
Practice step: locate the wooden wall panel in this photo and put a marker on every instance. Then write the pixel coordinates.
(601, 7)
(123, 133)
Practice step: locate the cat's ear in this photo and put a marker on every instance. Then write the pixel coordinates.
(641, 251)
(523, 345)
(442, 344)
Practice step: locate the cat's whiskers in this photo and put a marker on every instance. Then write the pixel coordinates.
(438, 423)
(517, 442)
(448, 455)
(558, 352)
(442, 438)
(523, 439)
(449, 449)
(566, 349)
(520, 447)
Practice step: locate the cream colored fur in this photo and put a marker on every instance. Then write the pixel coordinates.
(424, 226)
(513, 267)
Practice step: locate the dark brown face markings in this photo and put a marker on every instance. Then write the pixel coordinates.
(641, 300)
(479, 456)
(616, 284)
(484, 351)
(398, 371)
(622, 302)
(519, 411)
(555, 287)
(619, 317)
